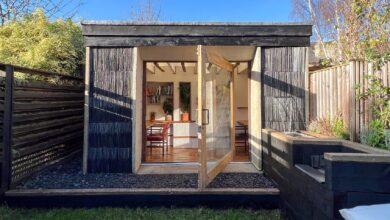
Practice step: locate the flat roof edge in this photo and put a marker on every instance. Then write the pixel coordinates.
(163, 23)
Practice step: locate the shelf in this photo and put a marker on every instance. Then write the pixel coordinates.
(155, 91)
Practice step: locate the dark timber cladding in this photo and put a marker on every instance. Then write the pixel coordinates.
(110, 114)
(116, 34)
(283, 77)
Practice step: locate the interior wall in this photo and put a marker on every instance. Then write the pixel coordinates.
(241, 92)
(153, 74)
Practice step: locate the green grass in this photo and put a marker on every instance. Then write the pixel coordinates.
(139, 213)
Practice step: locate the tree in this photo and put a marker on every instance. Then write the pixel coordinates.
(310, 11)
(145, 11)
(36, 42)
(15, 9)
(353, 29)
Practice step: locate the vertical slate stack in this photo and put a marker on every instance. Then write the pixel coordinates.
(283, 77)
(110, 110)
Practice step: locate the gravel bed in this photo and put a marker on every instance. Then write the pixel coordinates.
(241, 180)
(70, 176)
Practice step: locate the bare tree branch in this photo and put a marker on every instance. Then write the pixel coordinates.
(145, 10)
(15, 9)
(346, 29)
(314, 19)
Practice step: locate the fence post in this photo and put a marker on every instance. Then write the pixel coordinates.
(7, 129)
(307, 89)
(352, 107)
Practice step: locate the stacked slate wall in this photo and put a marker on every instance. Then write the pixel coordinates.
(110, 110)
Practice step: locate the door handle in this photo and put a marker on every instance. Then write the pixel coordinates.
(205, 110)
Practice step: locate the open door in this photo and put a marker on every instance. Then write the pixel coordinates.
(215, 114)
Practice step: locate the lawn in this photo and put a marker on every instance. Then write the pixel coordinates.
(139, 213)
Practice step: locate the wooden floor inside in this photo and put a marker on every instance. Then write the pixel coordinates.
(185, 155)
(192, 168)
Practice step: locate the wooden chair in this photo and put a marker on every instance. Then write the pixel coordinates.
(242, 137)
(157, 136)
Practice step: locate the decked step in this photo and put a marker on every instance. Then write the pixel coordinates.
(179, 197)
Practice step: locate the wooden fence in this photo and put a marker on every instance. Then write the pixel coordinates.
(41, 124)
(333, 92)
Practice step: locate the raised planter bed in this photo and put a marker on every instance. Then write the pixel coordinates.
(318, 176)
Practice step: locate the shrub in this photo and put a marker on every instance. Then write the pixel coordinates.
(330, 127)
(379, 94)
(36, 42)
(320, 126)
(338, 128)
(375, 135)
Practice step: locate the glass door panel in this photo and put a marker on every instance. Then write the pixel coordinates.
(218, 104)
(215, 93)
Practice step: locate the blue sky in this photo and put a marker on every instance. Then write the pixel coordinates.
(195, 10)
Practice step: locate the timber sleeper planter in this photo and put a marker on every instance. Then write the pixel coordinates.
(349, 174)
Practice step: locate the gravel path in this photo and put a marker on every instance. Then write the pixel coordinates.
(70, 176)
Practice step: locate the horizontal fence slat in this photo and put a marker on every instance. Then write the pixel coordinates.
(33, 94)
(38, 86)
(28, 140)
(35, 106)
(48, 143)
(47, 124)
(31, 71)
(26, 117)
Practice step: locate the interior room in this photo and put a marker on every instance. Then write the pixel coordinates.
(171, 103)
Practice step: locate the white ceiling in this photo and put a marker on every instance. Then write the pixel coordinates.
(189, 53)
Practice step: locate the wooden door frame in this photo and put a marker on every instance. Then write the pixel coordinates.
(205, 177)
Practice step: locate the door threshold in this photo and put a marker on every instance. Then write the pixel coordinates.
(171, 164)
(186, 163)
(169, 168)
(193, 168)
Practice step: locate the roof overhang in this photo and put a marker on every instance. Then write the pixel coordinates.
(113, 34)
